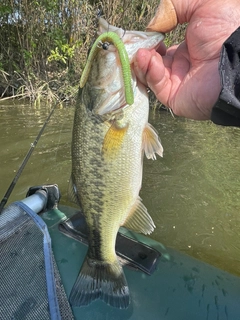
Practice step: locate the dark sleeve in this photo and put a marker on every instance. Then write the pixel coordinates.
(226, 111)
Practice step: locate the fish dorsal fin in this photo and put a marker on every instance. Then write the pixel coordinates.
(113, 140)
(139, 219)
(72, 193)
(151, 143)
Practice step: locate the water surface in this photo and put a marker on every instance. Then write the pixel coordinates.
(192, 193)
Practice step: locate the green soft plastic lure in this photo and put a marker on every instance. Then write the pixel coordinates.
(105, 39)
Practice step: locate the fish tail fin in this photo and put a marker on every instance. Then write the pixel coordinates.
(100, 280)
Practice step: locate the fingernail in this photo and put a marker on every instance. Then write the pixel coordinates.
(165, 18)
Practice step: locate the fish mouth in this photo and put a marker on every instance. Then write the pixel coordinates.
(133, 40)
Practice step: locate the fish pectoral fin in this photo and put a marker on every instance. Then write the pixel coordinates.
(113, 139)
(151, 143)
(139, 219)
(72, 193)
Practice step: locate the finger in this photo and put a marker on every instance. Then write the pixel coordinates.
(154, 71)
(167, 61)
(141, 63)
(164, 75)
(157, 75)
(165, 19)
(171, 50)
(171, 12)
(161, 49)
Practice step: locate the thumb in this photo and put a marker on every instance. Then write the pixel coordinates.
(170, 13)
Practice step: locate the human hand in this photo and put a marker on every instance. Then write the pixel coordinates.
(186, 78)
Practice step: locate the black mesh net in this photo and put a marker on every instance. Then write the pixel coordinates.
(23, 283)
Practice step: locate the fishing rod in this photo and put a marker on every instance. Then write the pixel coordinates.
(25, 160)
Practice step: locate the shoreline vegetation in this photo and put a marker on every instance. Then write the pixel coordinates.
(44, 43)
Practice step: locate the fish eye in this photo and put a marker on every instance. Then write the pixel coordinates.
(105, 45)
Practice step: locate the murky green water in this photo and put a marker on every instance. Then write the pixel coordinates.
(193, 193)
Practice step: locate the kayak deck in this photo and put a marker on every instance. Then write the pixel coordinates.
(181, 287)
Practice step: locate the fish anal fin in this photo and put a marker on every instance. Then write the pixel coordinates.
(139, 219)
(151, 143)
(113, 140)
(100, 280)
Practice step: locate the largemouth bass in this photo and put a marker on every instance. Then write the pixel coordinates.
(108, 142)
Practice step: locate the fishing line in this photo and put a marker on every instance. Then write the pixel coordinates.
(59, 140)
(25, 160)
